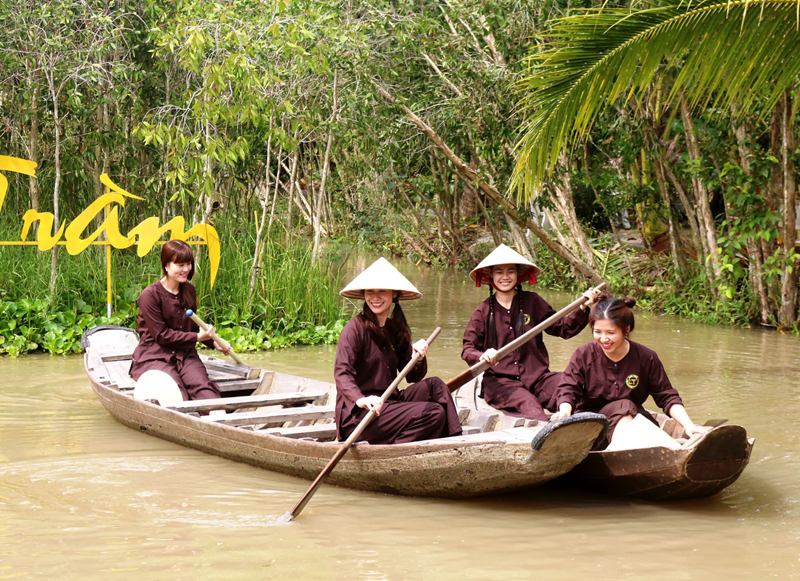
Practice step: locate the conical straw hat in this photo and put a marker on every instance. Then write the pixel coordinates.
(380, 275)
(504, 255)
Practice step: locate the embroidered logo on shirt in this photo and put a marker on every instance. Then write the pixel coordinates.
(632, 381)
(527, 319)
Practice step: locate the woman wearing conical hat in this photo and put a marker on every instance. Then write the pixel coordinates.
(372, 348)
(521, 384)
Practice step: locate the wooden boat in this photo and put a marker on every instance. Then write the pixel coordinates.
(702, 466)
(284, 423)
(697, 467)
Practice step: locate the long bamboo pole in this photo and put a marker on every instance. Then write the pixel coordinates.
(482, 366)
(222, 342)
(354, 436)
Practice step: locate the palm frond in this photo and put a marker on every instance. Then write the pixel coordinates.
(727, 50)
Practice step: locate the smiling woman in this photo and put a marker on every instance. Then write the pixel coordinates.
(372, 348)
(614, 376)
(522, 384)
(168, 336)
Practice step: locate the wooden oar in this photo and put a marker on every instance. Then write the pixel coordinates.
(222, 342)
(354, 436)
(482, 366)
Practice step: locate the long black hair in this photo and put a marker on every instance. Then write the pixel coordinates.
(491, 331)
(179, 252)
(395, 334)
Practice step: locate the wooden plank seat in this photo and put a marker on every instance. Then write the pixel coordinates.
(323, 432)
(230, 404)
(237, 384)
(274, 417)
(218, 376)
(485, 422)
(121, 355)
(243, 371)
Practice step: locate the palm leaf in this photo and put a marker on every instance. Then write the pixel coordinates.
(726, 53)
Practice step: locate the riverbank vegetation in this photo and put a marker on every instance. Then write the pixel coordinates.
(296, 127)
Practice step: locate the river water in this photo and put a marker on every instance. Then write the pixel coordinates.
(83, 497)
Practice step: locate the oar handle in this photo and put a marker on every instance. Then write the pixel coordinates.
(222, 342)
(482, 366)
(356, 433)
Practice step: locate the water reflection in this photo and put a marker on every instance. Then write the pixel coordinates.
(82, 497)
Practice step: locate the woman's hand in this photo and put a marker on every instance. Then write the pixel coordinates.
(224, 350)
(678, 413)
(205, 334)
(564, 411)
(591, 297)
(490, 356)
(420, 347)
(693, 429)
(370, 403)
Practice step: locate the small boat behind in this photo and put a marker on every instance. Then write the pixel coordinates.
(697, 467)
(284, 423)
(683, 468)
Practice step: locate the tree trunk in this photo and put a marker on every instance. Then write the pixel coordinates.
(292, 178)
(468, 205)
(788, 310)
(55, 94)
(257, 250)
(520, 241)
(755, 259)
(464, 170)
(34, 138)
(498, 240)
(562, 187)
(706, 219)
(688, 207)
(674, 240)
(441, 220)
(325, 169)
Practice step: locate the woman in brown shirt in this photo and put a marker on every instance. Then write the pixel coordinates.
(167, 337)
(614, 376)
(372, 348)
(521, 384)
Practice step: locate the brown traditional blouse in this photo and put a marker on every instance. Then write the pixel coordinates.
(592, 380)
(530, 361)
(362, 368)
(164, 329)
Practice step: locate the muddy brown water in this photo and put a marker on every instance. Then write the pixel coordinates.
(83, 497)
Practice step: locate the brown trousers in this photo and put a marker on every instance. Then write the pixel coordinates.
(422, 411)
(510, 396)
(189, 373)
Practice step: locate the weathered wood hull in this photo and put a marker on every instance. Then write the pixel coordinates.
(703, 469)
(460, 467)
(700, 468)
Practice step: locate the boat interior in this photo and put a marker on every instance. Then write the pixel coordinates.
(281, 404)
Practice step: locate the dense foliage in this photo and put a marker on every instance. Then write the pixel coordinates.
(395, 124)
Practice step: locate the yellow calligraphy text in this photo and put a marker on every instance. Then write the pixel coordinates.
(145, 235)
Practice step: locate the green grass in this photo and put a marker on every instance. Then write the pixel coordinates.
(294, 301)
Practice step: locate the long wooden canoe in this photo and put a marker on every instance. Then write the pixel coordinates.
(697, 467)
(284, 423)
